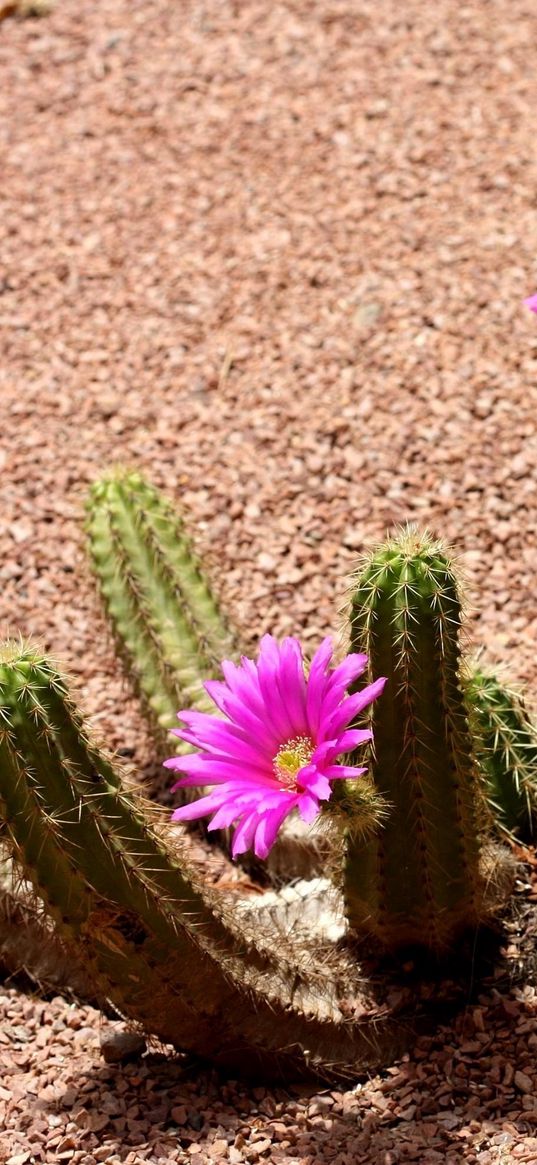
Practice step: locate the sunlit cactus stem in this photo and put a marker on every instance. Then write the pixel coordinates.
(169, 628)
(506, 746)
(419, 880)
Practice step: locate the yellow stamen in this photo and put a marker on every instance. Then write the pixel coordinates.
(290, 759)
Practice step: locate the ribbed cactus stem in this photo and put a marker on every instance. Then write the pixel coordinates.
(156, 944)
(166, 620)
(506, 746)
(418, 880)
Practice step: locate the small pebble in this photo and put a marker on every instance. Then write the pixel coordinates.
(119, 1047)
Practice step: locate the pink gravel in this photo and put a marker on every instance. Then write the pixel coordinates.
(274, 255)
(466, 1095)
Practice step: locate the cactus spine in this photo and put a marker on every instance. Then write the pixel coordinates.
(163, 950)
(419, 880)
(166, 620)
(506, 747)
(30, 945)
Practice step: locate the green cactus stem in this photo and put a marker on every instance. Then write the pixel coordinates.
(419, 881)
(166, 621)
(163, 950)
(506, 747)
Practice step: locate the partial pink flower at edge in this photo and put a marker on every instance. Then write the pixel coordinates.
(531, 303)
(278, 741)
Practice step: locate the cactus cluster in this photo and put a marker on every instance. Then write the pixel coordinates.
(156, 943)
(454, 760)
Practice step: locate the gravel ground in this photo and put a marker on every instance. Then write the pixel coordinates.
(273, 254)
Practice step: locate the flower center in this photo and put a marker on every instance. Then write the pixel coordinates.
(290, 758)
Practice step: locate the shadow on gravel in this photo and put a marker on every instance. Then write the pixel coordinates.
(466, 1093)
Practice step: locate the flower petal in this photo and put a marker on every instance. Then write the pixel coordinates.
(265, 834)
(239, 713)
(308, 807)
(317, 683)
(196, 809)
(267, 670)
(243, 684)
(225, 816)
(348, 670)
(354, 704)
(353, 737)
(212, 769)
(344, 772)
(218, 736)
(292, 685)
(244, 834)
(312, 780)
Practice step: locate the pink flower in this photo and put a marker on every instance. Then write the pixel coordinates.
(278, 744)
(531, 303)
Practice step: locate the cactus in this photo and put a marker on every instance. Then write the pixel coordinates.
(506, 747)
(167, 623)
(420, 880)
(163, 950)
(127, 910)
